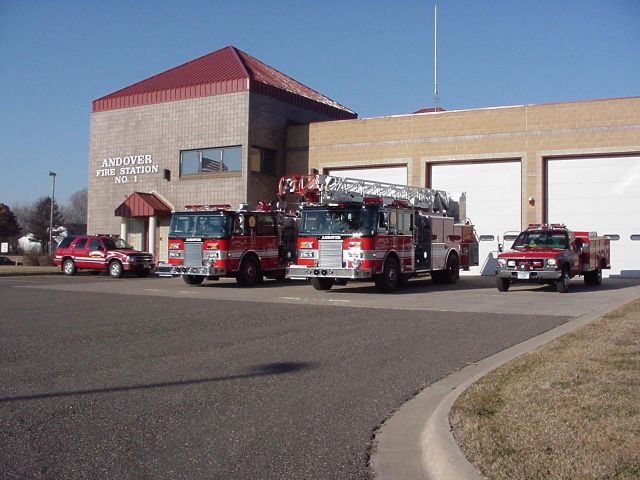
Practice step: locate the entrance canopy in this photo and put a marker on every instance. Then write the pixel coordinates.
(140, 204)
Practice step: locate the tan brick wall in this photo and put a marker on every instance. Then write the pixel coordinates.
(529, 133)
(162, 131)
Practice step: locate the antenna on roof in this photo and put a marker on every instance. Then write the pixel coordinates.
(436, 96)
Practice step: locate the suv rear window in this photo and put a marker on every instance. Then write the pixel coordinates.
(66, 241)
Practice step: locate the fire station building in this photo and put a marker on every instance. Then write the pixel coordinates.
(223, 128)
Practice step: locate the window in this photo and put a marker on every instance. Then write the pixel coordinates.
(81, 243)
(264, 160)
(95, 244)
(210, 160)
(266, 225)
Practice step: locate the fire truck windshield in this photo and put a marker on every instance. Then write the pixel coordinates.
(336, 222)
(541, 239)
(200, 225)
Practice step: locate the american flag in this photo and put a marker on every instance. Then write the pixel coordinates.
(210, 165)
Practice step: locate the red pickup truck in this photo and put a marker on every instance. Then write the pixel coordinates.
(553, 254)
(101, 253)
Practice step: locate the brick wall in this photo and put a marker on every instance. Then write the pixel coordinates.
(162, 131)
(528, 133)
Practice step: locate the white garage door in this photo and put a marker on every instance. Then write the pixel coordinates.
(600, 194)
(493, 201)
(396, 174)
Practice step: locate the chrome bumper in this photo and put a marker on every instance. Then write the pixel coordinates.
(168, 270)
(303, 272)
(527, 275)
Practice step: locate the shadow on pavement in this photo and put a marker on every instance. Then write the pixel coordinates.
(267, 369)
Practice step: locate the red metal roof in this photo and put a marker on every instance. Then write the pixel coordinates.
(140, 204)
(226, 70)
(430, 110)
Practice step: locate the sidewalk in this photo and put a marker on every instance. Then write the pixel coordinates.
(416, 443)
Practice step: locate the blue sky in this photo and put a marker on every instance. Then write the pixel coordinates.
(375, 57)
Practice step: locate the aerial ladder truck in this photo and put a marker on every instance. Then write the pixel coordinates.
(353, 229)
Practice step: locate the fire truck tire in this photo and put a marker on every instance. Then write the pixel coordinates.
(503, 284)
(249, 273)
(193, 279)
(390, 278)
(451, 273)
(68, 267)
(322, 283)
(115, 269)
(562, 285)
(593, 278)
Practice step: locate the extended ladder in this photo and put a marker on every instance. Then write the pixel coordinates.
(329, 189)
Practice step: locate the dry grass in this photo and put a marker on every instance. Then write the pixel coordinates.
(569, 410)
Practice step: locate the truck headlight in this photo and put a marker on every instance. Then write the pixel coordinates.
(502, 262)
(551, 262)
(511, 263)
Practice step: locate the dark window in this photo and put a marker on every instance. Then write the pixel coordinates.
(266, 225)
(81, 243)
(95, 244)
(264, 160)
(210, 160)
(66, 241)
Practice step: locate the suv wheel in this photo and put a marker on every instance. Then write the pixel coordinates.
(115, 269)
(68, 267)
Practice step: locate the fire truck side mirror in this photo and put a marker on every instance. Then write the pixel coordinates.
(500, 247)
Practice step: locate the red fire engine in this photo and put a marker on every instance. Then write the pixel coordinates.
(211, 241)
(352, 229)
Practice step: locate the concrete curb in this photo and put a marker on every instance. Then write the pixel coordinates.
(417, 443)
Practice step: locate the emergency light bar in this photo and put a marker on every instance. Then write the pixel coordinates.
(207, 207)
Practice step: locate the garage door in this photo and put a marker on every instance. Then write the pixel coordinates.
(493, 192)
(397, 174)
(600, 194)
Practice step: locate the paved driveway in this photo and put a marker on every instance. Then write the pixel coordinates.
(151, 378)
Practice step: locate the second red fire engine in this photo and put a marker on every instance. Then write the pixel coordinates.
(352, 229)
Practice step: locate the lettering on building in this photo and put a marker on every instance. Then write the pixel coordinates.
(127, 169)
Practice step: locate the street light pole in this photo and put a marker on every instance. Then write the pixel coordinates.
(53, 195)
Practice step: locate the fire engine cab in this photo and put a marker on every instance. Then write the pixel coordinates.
(353, 229)
(211, 241)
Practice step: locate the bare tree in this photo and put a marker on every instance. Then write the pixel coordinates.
(75, 211)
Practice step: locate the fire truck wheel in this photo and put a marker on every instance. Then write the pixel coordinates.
(451, 273)
(193, 279)
(249, 273)
(390, 277)
(593, 278)
(115, 269)
(322, 283)
(68, 267)
(562, 285)
(503, 284)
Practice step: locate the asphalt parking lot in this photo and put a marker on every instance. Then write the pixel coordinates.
(151, 378)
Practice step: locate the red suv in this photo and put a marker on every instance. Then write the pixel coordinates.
(101, 252)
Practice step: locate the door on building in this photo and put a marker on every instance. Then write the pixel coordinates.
(599, 194)
(494, 193)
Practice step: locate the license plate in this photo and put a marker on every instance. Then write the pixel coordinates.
(523, 275)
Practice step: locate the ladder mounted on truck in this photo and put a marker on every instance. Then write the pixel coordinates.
(325, 189)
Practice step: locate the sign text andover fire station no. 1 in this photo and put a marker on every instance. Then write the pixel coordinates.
(127, 169)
